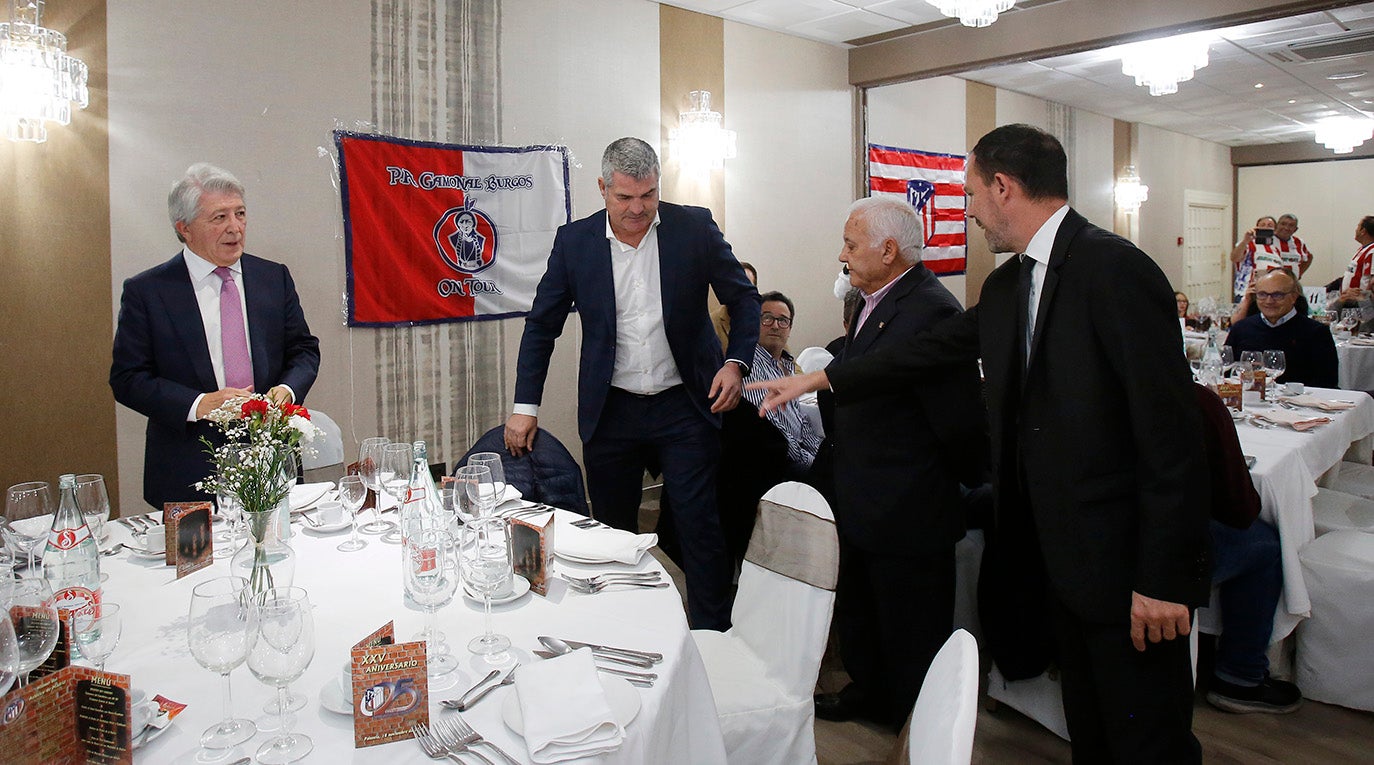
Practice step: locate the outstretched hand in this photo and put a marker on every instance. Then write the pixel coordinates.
(784, 389)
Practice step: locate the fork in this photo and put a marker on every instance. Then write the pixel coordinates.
(591, 581)
(456, 728)
(592, 589)
(463, 706)
(437, 749)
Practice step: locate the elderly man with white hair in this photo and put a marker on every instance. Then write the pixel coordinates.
(899, 458)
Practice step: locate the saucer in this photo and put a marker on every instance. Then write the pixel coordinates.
(146, 554)
(520, 587)
(329, 528)
(332, 699)
(621, 697)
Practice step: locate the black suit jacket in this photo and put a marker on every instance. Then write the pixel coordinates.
(899, 454)
(1097, 445)
(692, 256)
(162, 362)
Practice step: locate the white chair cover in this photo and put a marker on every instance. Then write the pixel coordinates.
(968, 558)
(1351, 478)
(1337, 511)
(1335, 651)
(328, 449)
(814, 358)
(763, 671)
(946, 711)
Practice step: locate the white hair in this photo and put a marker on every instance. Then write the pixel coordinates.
(183, 202)
(892, 218)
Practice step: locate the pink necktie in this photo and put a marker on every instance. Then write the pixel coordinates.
(238, 369)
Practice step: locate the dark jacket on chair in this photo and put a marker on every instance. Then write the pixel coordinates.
(548, 473)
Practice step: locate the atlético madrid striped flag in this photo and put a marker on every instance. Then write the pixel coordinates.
(933, 184)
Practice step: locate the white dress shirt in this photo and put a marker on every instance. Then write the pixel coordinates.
(1039, 250)
(207, 287)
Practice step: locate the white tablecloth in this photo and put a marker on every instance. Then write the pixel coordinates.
(1287, 466)
(355, 593)
(1356, 366)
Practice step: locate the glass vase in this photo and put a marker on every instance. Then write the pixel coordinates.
(265, 561)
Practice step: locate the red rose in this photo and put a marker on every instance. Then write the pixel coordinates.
(254, 406)
(293, 410)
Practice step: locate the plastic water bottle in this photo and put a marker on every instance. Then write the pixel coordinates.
(71, 558)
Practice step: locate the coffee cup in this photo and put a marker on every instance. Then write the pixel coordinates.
(1295, 388)
(155, 539)
(346, 679)
(330, 513)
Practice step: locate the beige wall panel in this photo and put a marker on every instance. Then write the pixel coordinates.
(691, 57)
(55, 293)
(1170, 163)
(980, 116)
(790, 185)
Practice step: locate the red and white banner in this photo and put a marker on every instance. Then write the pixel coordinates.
(933, 184)
(440, 232)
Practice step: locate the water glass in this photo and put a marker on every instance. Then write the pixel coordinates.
(94, 502)
(9, 655)
(231, 510)
(431, 579)
(97, 633)
(352, 493)
(370, 468)
(1275, 362)
(485, 556)
(33, 614)
(283, 650)
(222, 628)
(492, 461)
(478, 494)
(28, 508)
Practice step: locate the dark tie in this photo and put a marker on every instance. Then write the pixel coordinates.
(238, 369)
(1023, 290)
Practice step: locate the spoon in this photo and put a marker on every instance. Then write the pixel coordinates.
(558, 647)
(114, 549)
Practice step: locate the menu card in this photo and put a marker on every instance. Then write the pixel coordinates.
(390, 688)
(190, 545)
(1230, 394)
(532, 551)
(79, 714)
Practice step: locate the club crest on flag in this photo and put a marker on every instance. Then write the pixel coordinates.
(933, 184)
(466, 238)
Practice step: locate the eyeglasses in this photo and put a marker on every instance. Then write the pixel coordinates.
(1272, 295)
(769, 320)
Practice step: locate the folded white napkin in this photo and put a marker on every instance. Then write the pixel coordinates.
(565, 709)
(304, 495)
(602, 543)
(1319, 403)
(1364, 342)
(1294, 420)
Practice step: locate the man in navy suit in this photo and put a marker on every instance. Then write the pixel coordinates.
(651, 381)
(211, 324)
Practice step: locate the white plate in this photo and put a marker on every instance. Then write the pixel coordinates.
(596, 561)
(332, 699)
(519, 589)
(328, 528)
(622, 698)
(139, 552)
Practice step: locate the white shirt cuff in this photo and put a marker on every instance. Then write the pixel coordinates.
(531, 410)
(191, 415)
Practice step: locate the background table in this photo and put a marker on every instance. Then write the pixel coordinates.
(1356, 366)
(354, 594)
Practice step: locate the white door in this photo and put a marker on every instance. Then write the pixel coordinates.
(1206, 255)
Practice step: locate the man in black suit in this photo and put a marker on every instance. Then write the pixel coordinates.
(211, 324)
(651, 382)
(898, 456)
(1101, 514)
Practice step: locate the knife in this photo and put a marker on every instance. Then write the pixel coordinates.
(637, 678)
(651, 656)
(642, 662)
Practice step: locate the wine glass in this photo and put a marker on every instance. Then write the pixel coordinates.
(431, 580)
(1275, 362)
(9, 655)
(97, 632)
(492, 461)
(231, 510)
(1228, 360)
(352, 493)
(485, 555)
(222, 628)
(1249, 362)
(394, 473)
(477, 492)
(283, 650)
(369, 467)
(94, 502)
(28, 508)
(33, 614)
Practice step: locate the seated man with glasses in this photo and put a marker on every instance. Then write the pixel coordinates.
(1280, 326)
(771, 361)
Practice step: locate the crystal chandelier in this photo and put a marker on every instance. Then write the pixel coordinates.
(1161, 65)
(699, 141)
(39, 82)
(1342, 134)
(973, 13)
(1130, 192)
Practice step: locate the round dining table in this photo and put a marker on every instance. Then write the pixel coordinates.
(355, 593)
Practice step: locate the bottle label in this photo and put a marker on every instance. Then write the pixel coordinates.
(78, 601)
(424, 559)
(66, 539)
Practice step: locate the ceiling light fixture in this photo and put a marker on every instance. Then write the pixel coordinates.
(39, 82)
(699, 142)
(1342, 134)
(973, 13)
(1353, 75)
(1130, 192)
(1161, 65)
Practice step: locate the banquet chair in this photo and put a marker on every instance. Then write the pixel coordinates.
(1337, 511)
(763, 670)
(328, 451)
(814, 358)
(547, 473)
(1351, 478)
(1335, 657)
(947, 709)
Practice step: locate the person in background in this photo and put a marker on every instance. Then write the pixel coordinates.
(852, 300)
(771, 361)
(1279, 326)
(1099, 546)
(898, 459)
(652, 383)
(186, 341)
(1361, 267)
(720, 318)
(1281, 248)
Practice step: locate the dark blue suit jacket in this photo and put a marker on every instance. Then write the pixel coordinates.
(693, 255)
(161, 362)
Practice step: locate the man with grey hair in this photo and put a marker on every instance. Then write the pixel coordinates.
(652, 382)
(210, 324)
(898, 460)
